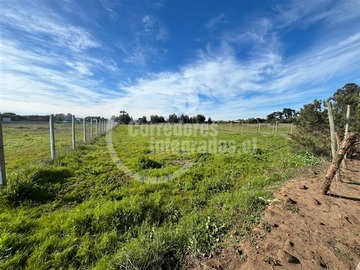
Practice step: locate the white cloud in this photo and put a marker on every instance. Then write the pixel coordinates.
(216, 20)
(37, 79)
(37, 20)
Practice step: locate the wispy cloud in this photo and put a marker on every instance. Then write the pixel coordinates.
(216, 20)
(109, 7)
(143, 46)
(74, 72)
(40, 20)
(219, 83)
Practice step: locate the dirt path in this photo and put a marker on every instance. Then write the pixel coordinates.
(305, 230)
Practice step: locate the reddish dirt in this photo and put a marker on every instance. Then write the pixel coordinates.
(305, 230)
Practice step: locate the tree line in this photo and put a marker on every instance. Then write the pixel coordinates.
(125, 118)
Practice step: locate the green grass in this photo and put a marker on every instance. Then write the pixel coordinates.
(26, 143)
(264, 129)
(83, 212)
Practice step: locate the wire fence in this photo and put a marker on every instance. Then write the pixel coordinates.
(276, 128)
(23, 142)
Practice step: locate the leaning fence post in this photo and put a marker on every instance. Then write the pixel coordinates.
(73, 131)
(84, 129)
(347, 142)
(2, 157)
(52, 136)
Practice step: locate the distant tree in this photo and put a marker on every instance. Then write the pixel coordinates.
(59, 117)
(200, 119)
(68, 117)
(161, 119)
(173, 118)
(209, 121)
(142, 120)
(124, 118)
(271, 117)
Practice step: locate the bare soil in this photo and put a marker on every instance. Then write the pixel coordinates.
(303, 229)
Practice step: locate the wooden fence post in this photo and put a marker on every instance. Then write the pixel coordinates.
(2, 157)
(73, 131)
(332, 136)
(242, 127)
(346, 132)
(349, 140)
(259, 126)
(84, 129)
(291, 128)
(52, 137)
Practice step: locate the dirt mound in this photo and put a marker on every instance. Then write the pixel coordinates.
(303, 230)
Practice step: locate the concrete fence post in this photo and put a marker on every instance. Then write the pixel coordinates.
(91, 129)
(2, 157)
(96, 127)
(73, 131)
(52, 136)
(84, 129)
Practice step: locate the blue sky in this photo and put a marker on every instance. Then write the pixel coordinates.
(225, 59)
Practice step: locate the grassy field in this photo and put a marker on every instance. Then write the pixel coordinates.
(26, 143)
(84, 212)
(264, 129)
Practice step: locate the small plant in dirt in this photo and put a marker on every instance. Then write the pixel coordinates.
(272, 261)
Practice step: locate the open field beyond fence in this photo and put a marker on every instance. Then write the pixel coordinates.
(28, 142)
